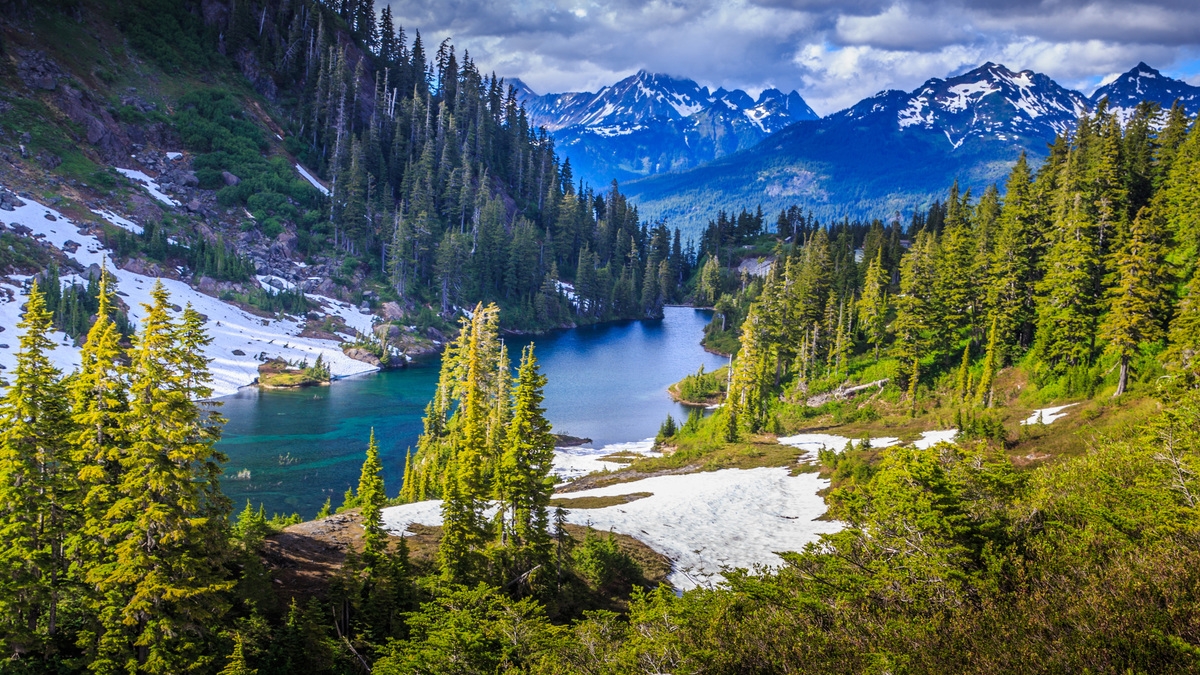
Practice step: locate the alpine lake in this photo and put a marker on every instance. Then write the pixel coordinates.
(290, 450)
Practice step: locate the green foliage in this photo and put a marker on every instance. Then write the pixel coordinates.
(21, 254)
(701, 386)
(214, 124)
(167, 32)
(666, 431)
(600, 560)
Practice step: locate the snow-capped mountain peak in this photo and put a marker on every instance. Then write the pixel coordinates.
(1143, 83)
(650, 122)
(990, 101)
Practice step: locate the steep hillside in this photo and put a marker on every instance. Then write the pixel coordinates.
(283, 156)
(652, 123)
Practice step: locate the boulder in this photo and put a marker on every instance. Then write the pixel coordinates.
(392, 311)
(229, 178)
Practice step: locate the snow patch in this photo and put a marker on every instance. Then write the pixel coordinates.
(703, 521)
(123, 223)
(311, 179)
(149, 183)
(231, 329)
(811, 443)
(575, 462)
(1047, 415)
(929, 439)
(962, 95)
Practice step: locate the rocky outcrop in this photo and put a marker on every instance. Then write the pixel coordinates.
(360, 354)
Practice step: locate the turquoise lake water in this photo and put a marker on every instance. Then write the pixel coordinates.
(607, 383)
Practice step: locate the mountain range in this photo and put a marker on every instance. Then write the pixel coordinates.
(651, 123)
(682, 151)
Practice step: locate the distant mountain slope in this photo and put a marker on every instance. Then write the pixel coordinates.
(650, 123)
(889, 152)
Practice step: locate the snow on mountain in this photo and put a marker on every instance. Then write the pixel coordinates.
(649, 123)
(239, 337)
(1143, 83)
(988, 103)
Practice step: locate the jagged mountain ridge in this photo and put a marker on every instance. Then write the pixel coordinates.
(989, 102)
(898, 150)
(650, 123)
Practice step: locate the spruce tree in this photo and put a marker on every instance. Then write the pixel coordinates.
(463, 488)
(99, 402)
(873, 305)
(962, 388)
(523, 481)
(236, 665)
(1067, 302)
(38, 487)
(163, 591)
(371, 500)
(1136, 300)
(1013, 265)
(983, 395)
(1183, 354)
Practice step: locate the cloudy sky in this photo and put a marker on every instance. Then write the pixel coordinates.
(835, 52)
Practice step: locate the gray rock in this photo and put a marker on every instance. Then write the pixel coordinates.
(230, 179)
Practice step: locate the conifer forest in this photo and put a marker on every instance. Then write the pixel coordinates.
(973, 525)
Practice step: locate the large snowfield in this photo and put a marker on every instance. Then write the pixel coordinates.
(230, 328)
(704, 521)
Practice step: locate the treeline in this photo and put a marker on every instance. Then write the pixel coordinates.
(1086, 268)
(440, 187)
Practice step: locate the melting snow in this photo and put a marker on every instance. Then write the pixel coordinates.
(814, 442)
(574, 462)
(230, 328)
(701, 521)
(148, 183)
(309, 177)
(929, 439)
(962, 95)
(914, 114)
(123, 223)
(1048, 415)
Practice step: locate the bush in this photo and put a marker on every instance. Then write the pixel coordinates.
(600, 560)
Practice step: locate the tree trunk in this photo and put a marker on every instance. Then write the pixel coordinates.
(1124, 378)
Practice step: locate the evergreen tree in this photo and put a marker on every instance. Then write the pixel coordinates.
(163, 591)
(1183, 354)
(1014, 262)
(873, 305)
(236, 665)
(99, 404)
(463, 488)
(1136, 300)
(523, 481)
(1067, 303)
(38, 492)
(983, 395)
(371, 500)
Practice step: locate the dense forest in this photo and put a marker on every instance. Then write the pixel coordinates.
(440, 189)
(1083, 273)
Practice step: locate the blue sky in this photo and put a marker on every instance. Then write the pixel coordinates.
(834, 52)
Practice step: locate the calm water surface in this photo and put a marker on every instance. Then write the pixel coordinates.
(607, 383)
